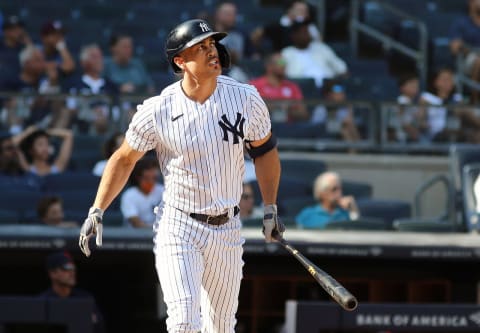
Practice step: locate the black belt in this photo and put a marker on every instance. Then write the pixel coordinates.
(214, 219)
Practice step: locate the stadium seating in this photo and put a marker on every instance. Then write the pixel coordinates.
(8, 217)
(384, 210)
(360, 224)
(302, 169)
(71, 181)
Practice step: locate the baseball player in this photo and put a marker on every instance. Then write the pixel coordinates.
(198, 127)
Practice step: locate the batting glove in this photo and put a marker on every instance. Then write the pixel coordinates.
(92, 226)
(271, 223)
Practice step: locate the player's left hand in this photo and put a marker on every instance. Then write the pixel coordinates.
(271, 224)
(92, 226)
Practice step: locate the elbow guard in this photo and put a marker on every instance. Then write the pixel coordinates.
(264, 148)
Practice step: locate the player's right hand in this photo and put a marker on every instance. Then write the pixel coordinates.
(92, 226)
(271, 224)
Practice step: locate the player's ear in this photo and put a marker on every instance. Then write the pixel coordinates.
(179, 62)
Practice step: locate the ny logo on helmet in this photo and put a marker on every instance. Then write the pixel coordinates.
(236, 129)
(204, 27)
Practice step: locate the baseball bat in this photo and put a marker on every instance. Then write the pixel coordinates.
(338, 292)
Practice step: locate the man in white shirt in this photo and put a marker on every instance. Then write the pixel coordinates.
(307, 58)
(139, 201)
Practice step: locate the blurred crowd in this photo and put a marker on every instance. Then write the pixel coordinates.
(49, 95)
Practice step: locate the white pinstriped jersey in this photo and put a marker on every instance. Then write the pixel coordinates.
(200, 146)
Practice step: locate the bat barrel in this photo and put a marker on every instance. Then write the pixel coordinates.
(346, 300)
(341, 295)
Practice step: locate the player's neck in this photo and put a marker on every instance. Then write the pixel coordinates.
(198, 90)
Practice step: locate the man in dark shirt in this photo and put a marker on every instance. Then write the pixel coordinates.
(62, 273)
(15, 38)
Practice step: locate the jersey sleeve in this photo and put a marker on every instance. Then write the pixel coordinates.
(141, 134)
(259, 116)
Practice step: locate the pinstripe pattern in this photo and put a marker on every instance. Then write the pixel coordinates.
(200, 266)
(202, 173)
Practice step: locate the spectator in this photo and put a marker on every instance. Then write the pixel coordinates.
(277, 34)
(9, 158)
(307, 58)
(61, 271)
(237, 41)
(332, 205)
(284, 97)
(109, 147)
(15, 38)
(127, 72)
(93, 113)
(37, 151)
(247, 204)
(440, 96)
(140, 201)
(50, 212)
(11, 117)
(343, 113)
(235, 71)
(408, 125)
(55, 48)
(464, 36)
(35, 75)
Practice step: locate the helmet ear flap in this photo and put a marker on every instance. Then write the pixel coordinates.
(223, 55)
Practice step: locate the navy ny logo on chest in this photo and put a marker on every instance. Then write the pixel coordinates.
(235, 129)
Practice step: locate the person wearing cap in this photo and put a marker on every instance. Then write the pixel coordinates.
(61, 271)
(340, 113)
(55, 48)
(15, 38)
(198, 127)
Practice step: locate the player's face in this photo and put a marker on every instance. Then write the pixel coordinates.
(202, 59)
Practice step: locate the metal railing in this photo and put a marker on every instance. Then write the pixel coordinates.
(297, 124)
(419, 54)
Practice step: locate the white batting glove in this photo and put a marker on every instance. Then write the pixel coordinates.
(271, 223)
(92, 226)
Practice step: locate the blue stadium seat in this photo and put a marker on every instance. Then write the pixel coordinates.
(308, 87)
(9, 217)
(113, 218)
(356, 189)
(304, 169)
(290, 207)
(19, 201)
(385, 210)
(162, 79)
(84, 142)
(84, 161)
(71, 181)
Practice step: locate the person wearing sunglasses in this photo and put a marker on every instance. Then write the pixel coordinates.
(332, 204)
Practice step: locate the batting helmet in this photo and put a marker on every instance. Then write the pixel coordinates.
(190, 33)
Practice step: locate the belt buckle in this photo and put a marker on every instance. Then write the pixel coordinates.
(210, 218)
